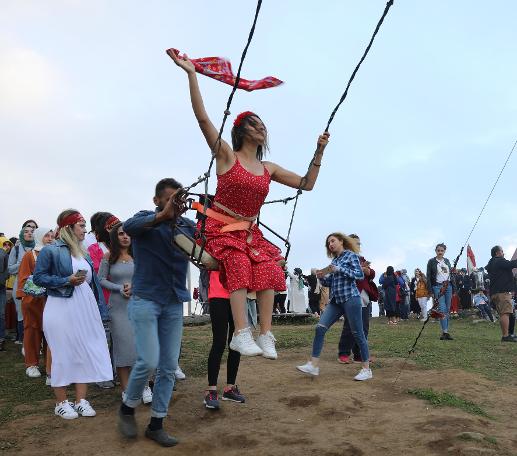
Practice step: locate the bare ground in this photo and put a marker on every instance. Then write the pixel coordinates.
(288, 413)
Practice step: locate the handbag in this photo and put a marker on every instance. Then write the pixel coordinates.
(30, 288)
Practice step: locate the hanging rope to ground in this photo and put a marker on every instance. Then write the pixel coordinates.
(331, 118)
(413, 347)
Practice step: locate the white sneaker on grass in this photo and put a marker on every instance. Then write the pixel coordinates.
(267, 343)
(179, 374)
(243, 343)
(84, 408)
(364, 374)
(48, 381)
(33, 372)
(66, 411)
(147, 395)
(308, 368)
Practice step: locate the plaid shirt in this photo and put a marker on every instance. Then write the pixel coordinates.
(342, 282)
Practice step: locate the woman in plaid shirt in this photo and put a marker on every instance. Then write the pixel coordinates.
(345, 300)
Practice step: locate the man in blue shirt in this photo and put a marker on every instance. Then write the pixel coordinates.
(155, 309)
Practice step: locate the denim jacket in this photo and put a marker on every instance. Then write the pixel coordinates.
(54, 267)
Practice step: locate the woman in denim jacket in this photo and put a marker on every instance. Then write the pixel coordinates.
(72, 319)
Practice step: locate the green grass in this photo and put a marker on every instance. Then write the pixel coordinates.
(446, 399)
(476, 348)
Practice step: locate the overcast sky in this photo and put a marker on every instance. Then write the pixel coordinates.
(93, 114)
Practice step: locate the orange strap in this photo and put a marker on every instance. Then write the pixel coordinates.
(231, 224)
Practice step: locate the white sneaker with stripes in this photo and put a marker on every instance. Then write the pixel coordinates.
(84, 408)
(65, 410)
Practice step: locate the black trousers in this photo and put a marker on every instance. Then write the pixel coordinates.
(222, 331)
(347, 342)
(279, 303)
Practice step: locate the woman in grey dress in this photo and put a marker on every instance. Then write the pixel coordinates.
(115, 273)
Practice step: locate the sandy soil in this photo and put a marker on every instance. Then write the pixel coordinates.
(288, 413)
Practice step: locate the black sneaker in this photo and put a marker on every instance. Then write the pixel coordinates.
(508, 339)
(233, 394)
(211, 400)
(446, 336)
(160, 436)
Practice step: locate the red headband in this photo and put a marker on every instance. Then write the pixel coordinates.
(241, 117)
(111, 222)
(71, 219)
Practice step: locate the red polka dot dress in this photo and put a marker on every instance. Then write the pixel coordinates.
(245, 258)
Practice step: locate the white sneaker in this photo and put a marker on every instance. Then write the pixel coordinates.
(267, 343)
(147, 395)
(364, 374)
(179, 374)
(23, 351)
(308, 368)
(48, 381)
(243, 343)
(65, 410)
(33, 372)
(84, 408)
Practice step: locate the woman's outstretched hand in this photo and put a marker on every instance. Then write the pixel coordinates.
(323, 140)
(182, 61)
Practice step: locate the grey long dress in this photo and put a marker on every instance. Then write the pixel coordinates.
(113, 277)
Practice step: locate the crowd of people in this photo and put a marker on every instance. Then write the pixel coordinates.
(108, 303)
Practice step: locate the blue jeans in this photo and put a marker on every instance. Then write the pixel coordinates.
(158, 330)
(3, 300)
(352, 310)
(444, 305)
(486, 312)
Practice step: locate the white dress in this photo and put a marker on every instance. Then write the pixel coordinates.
(75, 334)
(297, 296)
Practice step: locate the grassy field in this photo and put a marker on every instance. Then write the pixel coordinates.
(476, 348)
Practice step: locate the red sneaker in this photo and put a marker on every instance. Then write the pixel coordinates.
(344, 359)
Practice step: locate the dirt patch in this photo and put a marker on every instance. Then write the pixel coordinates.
(285, 411)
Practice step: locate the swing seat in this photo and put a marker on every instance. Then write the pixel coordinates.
(187, 245)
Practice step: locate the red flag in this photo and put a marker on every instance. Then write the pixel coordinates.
(471, 260)
(221, 69)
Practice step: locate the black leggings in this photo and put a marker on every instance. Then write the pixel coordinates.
(222, 331)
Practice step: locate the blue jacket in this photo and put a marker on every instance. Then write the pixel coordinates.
(54, 267)
(160, 267)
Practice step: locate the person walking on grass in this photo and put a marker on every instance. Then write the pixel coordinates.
(502, 285)
(341, 276)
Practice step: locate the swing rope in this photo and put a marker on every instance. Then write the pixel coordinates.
(413, 347)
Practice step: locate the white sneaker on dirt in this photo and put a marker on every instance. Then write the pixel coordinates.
(84, 408)
(179, 374)
(243, 343)
(147, 395)
(364, 374)
(267, 343)
(33, 372)
(308, 368)
(66, 411)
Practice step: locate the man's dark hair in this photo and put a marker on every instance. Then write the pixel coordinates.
(494, 250)
(441, 244)
(168, 182)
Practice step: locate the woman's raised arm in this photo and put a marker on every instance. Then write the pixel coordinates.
(223, 150)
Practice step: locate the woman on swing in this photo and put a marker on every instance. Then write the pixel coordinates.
(247, 261)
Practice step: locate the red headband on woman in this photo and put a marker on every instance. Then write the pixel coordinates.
(111, 222)
(71, 219)
(241, 117)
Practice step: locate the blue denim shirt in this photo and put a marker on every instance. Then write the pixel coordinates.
(54, 267)
(160, 267)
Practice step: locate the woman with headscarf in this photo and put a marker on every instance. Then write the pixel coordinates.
(297, 301)
(5, 248)
(389, 283)
(25, 244)
(72, 319)
(33, 303)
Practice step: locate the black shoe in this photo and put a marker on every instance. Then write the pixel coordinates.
(508, 339)
(2, 346)
(233, 394)
(446, 336)
(127, 425)
(211, 400)
(161, 437)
